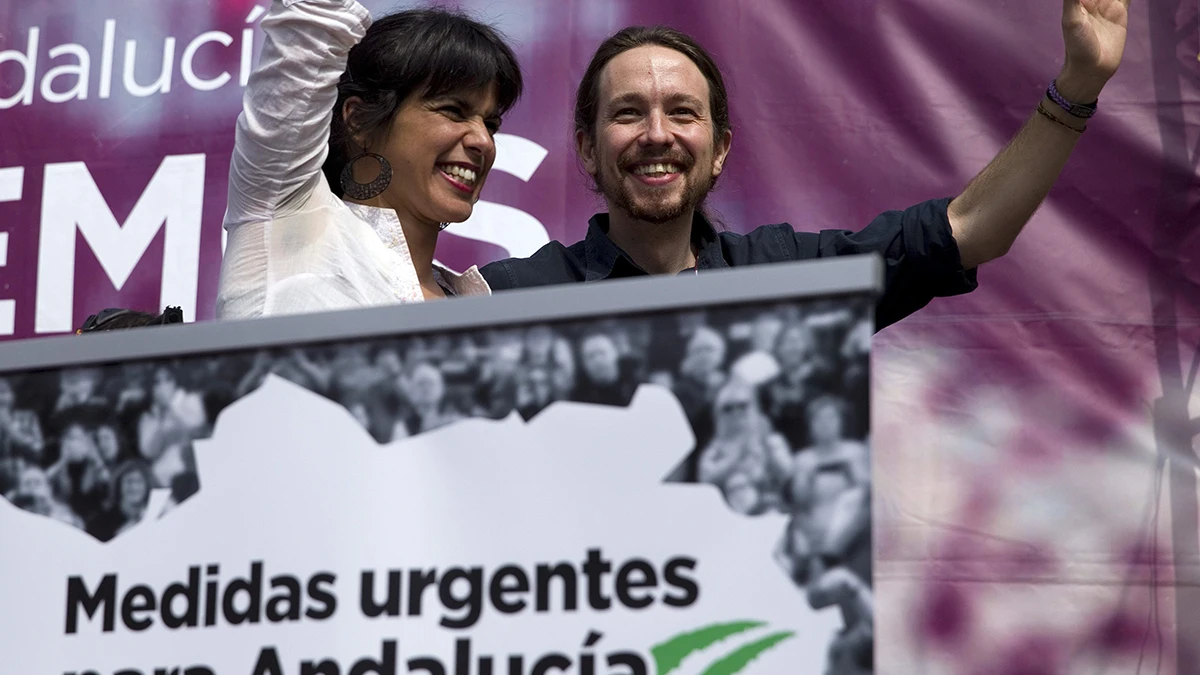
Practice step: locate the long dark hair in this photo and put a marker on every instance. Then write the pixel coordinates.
(426, 52)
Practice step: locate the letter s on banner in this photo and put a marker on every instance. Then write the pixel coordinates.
(174, 199)
(512, 229)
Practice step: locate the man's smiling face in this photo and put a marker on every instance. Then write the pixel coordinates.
(653, 153)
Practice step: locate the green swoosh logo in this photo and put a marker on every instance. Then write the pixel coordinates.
(734, 662)
(669, 654)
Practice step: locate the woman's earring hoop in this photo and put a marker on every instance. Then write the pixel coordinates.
(364, 191)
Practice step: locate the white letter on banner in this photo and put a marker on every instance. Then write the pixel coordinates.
(70, 198)
(106, 58)
(28, 63)
(163, 83)
(515, 231)
(11, 180)
(81, 71)
(189, 53)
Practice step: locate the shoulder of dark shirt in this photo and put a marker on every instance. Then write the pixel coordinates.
(554, 263)
(781, 242)
(778, 242)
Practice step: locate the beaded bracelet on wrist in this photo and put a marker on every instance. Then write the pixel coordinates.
(1080, 110)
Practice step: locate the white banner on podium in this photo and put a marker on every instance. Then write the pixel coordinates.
(650, 477)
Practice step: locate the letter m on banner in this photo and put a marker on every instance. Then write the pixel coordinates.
(70, 199)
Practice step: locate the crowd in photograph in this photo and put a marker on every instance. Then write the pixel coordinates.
(87, 445)
(777, 399)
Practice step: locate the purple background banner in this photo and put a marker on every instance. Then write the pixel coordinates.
(1035, 440)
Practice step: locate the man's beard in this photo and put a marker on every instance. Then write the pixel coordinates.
(662, 207)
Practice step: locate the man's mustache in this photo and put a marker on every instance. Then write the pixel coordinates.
(684, 161)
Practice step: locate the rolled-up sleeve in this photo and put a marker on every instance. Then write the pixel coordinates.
(282, 134)
(921, 257)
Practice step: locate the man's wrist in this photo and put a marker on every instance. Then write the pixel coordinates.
(1077, 88)
(1071, 108)
(1050, 111)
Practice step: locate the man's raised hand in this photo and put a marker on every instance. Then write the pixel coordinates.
(1094, 36)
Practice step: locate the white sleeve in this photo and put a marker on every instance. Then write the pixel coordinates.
(283, 131)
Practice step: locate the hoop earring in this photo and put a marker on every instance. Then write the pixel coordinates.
(364, 191)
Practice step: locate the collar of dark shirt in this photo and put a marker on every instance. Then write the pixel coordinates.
(606, 260)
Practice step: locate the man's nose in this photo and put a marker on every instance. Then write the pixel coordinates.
(657, 130)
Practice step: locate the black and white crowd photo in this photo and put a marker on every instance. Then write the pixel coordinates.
(777, 397)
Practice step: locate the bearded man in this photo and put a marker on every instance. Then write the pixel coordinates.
(652, 129)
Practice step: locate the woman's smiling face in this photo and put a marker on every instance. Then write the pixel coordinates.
(441, 149)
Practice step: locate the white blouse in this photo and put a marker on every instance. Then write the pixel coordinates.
(293, 246)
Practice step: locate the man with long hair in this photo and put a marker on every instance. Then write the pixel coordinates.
(652, 128)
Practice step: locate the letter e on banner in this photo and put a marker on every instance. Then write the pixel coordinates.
(11, 181)
(70, 198)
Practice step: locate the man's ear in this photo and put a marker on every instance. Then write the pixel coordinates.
(721, 152)
(586, 147)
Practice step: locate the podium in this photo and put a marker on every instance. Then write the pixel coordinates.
(657, 475)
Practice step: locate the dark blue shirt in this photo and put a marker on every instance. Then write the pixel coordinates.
(921, 259)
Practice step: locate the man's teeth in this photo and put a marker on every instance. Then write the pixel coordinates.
(656, 169)
(465, 175)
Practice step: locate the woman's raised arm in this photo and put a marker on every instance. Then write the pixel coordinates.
(283, 131)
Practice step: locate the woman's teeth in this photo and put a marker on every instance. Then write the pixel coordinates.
(464, 175)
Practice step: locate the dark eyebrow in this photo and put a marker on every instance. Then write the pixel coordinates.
(634, 97)
(628, 97)
(466, 106)
(687, 99)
